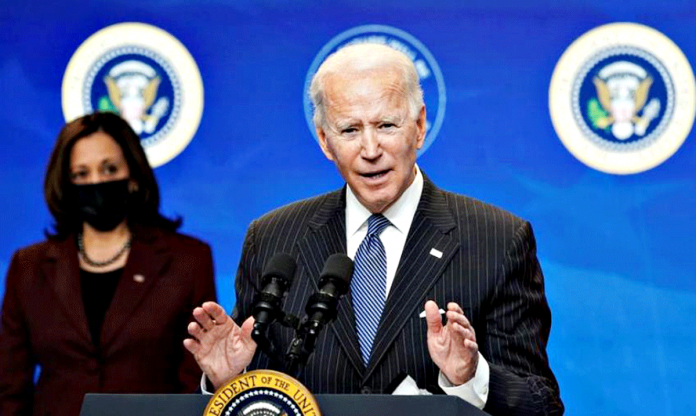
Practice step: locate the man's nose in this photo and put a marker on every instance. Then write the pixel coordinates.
(371, 146)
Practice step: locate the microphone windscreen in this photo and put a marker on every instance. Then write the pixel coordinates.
(281, 266)
(338, 266)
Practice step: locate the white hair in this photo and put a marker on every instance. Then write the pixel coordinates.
(363, 57)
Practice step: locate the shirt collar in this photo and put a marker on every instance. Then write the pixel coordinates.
(400, 214)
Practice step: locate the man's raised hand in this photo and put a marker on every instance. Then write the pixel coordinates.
(221, 348)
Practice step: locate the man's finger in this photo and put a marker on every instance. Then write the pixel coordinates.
(216, 312)
(432, 317)
(203, 318)
(459, 318)
(464, 332)
(247, 327)
(453, 306)
(462, 322)
(192, 346)
(195, 330)
(471, 346)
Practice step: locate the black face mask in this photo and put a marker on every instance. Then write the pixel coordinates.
(103, 205)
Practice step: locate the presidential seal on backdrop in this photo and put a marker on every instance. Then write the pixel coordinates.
(146, 76)
(622, 98)
(262, 393)
(429, 73)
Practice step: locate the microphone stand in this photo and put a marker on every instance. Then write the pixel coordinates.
(266, 346)
(301, 348)
(259, 335)
(322, 311)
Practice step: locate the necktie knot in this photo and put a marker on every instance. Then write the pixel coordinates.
(376, 224)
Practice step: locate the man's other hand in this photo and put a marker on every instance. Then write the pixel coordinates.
(222, 349)
(452, 347)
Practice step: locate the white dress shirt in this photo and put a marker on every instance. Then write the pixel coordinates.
(393, 237)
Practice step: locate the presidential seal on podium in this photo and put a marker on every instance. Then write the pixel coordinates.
(262, 393)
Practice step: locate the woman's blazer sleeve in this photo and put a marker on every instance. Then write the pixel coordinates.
(16, 361)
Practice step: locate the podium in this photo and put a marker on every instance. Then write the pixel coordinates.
(330, 405)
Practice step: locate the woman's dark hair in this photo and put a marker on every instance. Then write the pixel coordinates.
(143, 202)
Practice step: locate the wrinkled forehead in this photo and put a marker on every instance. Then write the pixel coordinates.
(373, 86)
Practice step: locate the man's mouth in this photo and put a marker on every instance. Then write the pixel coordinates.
(375, 175)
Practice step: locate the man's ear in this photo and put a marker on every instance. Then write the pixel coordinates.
(421, 121)
(324, 142)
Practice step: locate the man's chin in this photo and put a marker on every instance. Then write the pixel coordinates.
(377, 204)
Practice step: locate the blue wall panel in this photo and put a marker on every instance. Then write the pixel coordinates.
(617, 251)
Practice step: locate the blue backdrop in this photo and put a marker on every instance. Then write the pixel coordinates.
(618, 252)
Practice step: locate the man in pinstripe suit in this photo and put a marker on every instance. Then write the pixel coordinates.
(440, 247)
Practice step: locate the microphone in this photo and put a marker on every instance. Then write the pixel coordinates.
(334, 282)
(275, 281)
(321, 309)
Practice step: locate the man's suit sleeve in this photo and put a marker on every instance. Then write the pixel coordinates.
(518, 321)
(246, 278)
(16, 363)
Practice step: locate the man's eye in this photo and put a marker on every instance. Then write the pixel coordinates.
(387, 125)
(349, 130)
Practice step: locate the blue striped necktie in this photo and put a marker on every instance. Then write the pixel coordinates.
(369, 284)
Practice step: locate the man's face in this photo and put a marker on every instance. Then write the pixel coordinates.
(370, 135)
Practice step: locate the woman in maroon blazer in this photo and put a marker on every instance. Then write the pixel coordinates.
(103, 304)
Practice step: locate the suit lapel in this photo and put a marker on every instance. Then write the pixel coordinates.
(62, 269)
(148, 260)
(429, 249)
(327, 236)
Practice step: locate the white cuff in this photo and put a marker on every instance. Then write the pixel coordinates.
(204, 384)
(474, 391)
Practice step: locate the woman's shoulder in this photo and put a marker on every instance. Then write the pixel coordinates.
(46, 248)
(188, 241)
(27, 260)
(175, 239)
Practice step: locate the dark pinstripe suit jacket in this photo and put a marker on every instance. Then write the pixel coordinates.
(488, 266)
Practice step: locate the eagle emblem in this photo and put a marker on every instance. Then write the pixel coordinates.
(132, 93)
(262, 409)
(621, 106)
